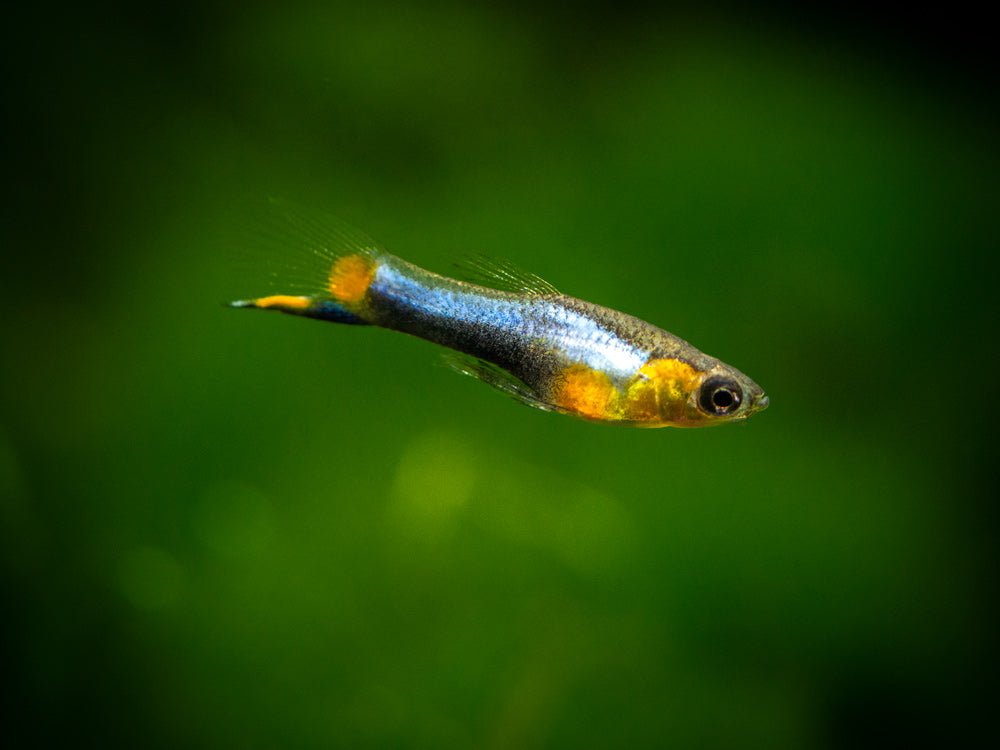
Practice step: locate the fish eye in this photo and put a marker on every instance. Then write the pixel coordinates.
(720, 397)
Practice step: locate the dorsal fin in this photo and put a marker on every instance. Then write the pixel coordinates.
(501, 274)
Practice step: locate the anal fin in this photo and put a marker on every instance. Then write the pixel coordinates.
(495, 376)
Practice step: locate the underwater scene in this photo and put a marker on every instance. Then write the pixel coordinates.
(224, 527)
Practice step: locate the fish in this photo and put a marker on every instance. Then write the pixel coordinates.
(510, 329)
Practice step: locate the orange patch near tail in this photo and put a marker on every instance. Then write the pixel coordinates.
(350, 278)
(586, 392)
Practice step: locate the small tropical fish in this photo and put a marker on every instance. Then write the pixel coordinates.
(514, 331)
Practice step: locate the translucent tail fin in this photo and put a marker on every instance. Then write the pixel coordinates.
(313, 264)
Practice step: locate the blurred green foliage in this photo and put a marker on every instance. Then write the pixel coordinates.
(230, 529)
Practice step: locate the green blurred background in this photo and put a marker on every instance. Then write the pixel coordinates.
(225, 529)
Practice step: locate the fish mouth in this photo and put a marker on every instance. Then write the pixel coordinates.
(762, 403)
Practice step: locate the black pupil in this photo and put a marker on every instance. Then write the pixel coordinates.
(720, 397)
(723, 399)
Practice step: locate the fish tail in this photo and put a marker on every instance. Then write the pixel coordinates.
(306, 307)
(317, 266)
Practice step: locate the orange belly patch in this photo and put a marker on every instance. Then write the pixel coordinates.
(660, 390)
(586, 392)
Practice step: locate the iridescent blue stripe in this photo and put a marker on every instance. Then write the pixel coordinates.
(571, 335)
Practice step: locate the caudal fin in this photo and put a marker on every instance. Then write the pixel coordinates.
(317, 266)
(306, 307)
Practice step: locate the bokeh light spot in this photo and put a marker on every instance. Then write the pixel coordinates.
(435, 478)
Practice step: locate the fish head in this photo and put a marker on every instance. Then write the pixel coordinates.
(692, 392)
(724, 394)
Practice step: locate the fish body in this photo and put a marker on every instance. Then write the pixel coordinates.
(546, 349)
